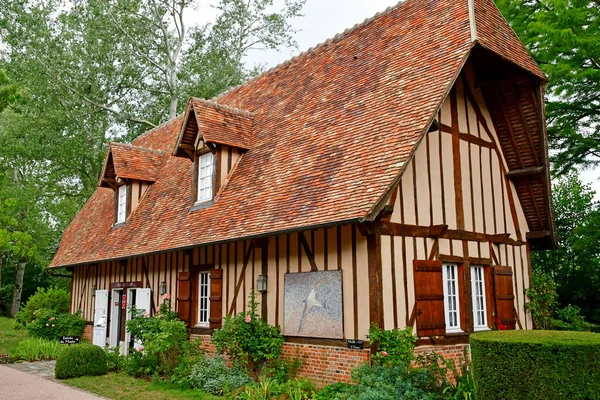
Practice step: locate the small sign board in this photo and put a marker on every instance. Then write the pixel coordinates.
(69, 340)
(355, 344)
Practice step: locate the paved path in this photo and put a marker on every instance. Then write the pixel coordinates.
(36, 383)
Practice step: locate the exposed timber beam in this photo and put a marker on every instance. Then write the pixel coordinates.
(515, 173)
(538, 235)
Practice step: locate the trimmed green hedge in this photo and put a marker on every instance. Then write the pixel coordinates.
(80, 360)
(536, 365)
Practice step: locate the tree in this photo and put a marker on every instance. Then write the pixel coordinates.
(575, 265)
(562, 36)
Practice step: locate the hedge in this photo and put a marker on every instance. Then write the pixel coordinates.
(536, 365)
(80, 360)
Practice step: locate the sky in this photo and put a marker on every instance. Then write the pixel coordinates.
(324, 19)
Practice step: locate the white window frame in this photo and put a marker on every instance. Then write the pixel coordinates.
(451, 298)
(122, 204)
(204, 299)
(205, 177)
(480, 322)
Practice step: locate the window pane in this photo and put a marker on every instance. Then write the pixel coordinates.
(478, 293)
(203, 298)
(205, 171)
(451, 304)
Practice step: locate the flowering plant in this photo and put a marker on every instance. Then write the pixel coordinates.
(248, 339)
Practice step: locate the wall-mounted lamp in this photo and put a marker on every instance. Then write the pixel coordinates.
(163, 288)
(93, 290)
(261, 283)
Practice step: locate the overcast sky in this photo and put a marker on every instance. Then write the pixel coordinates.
(323, 19)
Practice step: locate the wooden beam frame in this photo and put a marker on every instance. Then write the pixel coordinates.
(530, 171)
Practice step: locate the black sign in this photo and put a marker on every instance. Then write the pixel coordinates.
(69, 340)
(355, 344)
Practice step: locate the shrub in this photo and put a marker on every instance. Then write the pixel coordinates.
(55, 299)
(138, 364)
(163, 336)
(536, 364)
(213, 376)
(50, 325)
(35, 349)
(114, 359)
(80, 360)
(392, 347)
(339, 390)
(249, 340)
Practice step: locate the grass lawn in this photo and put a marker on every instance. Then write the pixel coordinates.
(122, 386)
(9, 337)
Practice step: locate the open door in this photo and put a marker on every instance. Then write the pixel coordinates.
(142, 301)
(100, 318)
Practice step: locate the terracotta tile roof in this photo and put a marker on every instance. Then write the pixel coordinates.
(131, 162)
(222, 124)
(495, 34)
(332, 129)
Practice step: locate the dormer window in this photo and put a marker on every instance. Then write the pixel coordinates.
(206, 168)
(122, 204)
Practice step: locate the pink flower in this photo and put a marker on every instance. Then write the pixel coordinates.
(53, 325)
(167, 296)
(248, 318)
(384, 353)
(140, 349)
(47, 325)
(146, 315)
(51, 318)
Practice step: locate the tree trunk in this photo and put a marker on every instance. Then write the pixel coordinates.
(16, 302)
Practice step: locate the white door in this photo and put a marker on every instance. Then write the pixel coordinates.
(142, 302)
(115, 318)
(100, 318)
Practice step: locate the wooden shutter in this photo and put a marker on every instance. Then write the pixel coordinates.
(505, 297)
(216, 298)
(184, 297)
(429, 293)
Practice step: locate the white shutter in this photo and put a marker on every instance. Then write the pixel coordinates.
(142, 302)
(100, 318)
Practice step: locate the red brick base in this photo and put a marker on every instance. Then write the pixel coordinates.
(88, 333)
(325, 364)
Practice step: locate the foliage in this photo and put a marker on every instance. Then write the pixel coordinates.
(36, 349)
(438, 371)
(271, 388)
(562, 36)
(337, 390)
(114, 360)
(163, 336)
(192, 354)
(248, 339)
(542, 300)
(575, 265)
(50, 325)
(536, 364)
(80, 360)
(394, 347)
(569, 318)
(55, 299)
(213, 376)
(138, 364)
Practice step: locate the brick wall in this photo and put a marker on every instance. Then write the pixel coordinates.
(88, 333)
(326, 364)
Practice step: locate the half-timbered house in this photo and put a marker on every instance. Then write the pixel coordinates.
(396, 174)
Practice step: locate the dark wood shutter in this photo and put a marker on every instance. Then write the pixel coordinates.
(505, 297)
(429, 293)
(184, 297)
(216, 298)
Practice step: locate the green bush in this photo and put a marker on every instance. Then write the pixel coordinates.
(213, 376)
(536, 365)
(80, 360)
(138, 364)
(393, 347)
(50, 325)
(163, 336)
(35, 349)
(248, 339)
(54, 299)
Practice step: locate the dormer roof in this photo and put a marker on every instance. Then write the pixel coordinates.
(213, 123)
(125, 161)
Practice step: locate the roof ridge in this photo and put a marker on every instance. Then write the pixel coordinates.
(134, 147)
(170, 121)
(316, 47)
(223, 107)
